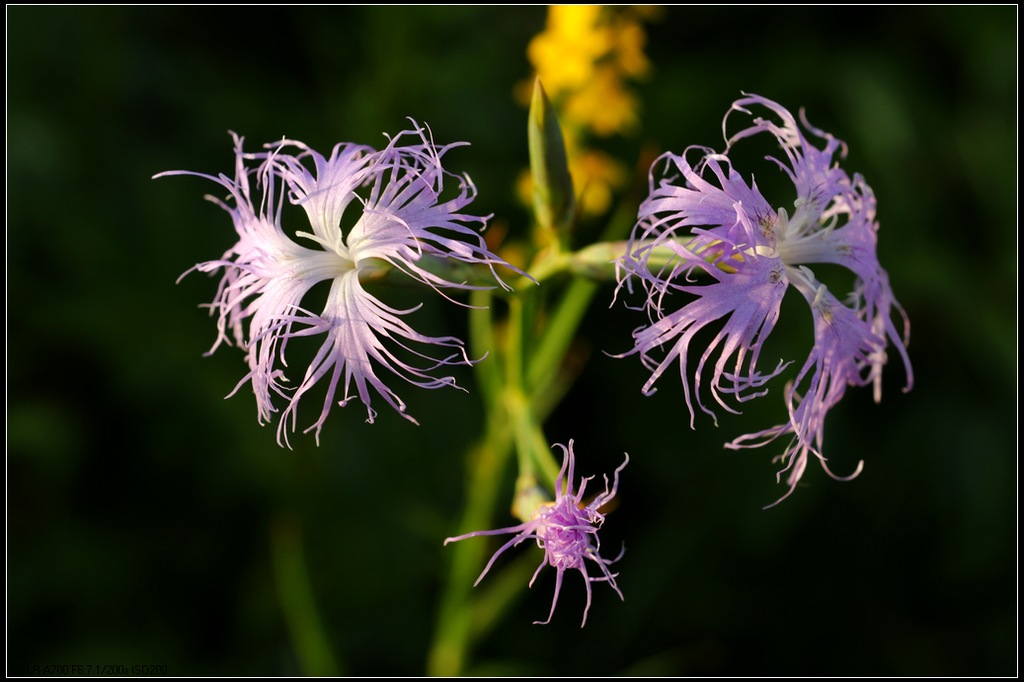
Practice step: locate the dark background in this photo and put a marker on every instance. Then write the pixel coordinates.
(142, 506)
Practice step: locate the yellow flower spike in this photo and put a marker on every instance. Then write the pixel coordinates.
(605, 107)
(584, 56)
(565, 52)
(630, 40)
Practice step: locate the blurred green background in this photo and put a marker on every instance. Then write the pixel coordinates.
(143, 509)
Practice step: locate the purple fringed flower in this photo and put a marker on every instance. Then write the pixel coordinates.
(566, 530)
(705, 233)
(401, 217)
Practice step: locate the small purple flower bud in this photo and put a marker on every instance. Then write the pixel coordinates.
(566, 530)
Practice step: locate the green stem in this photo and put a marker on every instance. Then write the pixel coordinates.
(454, 634)
(482, 346)
(516, 340)
(508, 422)
(518, 399)
(298, 603)
(543, 366)
(531, 447)
(534, 451)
